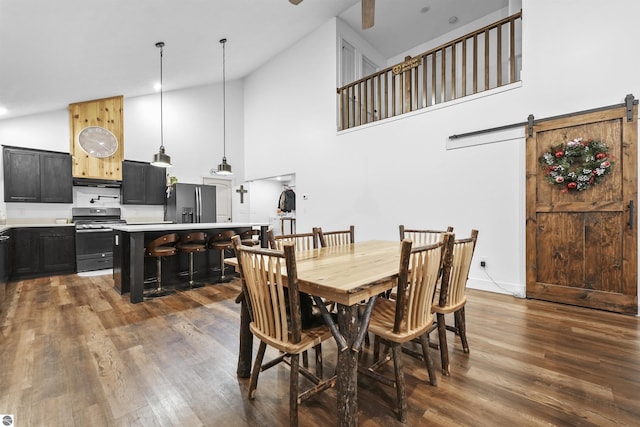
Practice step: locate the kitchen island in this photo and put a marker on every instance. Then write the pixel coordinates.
(130, 266)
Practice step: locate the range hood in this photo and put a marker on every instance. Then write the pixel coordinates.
(96, 182)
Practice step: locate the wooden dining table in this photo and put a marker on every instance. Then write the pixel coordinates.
(347, 275)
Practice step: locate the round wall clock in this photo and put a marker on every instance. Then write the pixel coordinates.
(97, 141)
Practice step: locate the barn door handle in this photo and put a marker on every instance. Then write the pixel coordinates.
(630, 223)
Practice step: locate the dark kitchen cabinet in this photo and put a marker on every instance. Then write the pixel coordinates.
(36, 176)
(40, 251)
(56, 183)
(143, 184)
(57, 250)
(5, 264)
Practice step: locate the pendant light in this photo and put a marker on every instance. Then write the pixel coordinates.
(161, 159)
(224, 168)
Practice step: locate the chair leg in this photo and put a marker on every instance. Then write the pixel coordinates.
(318, 351)
(462, 329)
(444, 350)
(305, 359)
(376, 348)
(424, 341)
(293, 390)
(256, 370)
(396, 350)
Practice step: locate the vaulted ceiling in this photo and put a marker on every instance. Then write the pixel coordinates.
(53, 53)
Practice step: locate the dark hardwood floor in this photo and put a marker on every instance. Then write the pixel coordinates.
(73, 352)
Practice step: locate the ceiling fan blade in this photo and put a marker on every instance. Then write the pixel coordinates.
(295, 1)
(368, 13)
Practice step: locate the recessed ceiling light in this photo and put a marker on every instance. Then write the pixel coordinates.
(3, 111)
(157, 87)
(453, 20)
(425, 9)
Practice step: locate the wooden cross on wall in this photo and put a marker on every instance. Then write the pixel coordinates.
(242, 192)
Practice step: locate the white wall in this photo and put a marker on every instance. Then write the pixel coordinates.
(576, 57)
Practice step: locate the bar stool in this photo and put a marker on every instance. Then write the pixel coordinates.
(191, 243)
(250, 237)
(159, 248)
(221, 241)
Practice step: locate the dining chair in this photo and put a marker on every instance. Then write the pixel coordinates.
(409, 316)
(336, 238)
(452, 296)
(276, 320)
(422, 237)
(302, 241)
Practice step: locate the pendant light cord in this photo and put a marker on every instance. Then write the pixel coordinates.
(161, 159)
(161, 111)
(224, 102)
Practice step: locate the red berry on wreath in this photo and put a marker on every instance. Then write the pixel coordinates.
(572, 185)
(601, 156)
(559, 153)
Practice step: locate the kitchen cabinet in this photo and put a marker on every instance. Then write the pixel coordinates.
(36, 176)
(41, 251)
(5, 264)
(143, 184)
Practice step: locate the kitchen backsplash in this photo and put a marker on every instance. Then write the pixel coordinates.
(45, 213)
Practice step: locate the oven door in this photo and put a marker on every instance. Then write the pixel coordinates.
(94, 249)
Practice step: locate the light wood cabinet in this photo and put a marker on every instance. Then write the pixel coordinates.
(104, 113)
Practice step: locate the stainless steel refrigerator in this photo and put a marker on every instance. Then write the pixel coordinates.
(191, 203)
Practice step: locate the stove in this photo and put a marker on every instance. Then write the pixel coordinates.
(96, 218)
(94, 237)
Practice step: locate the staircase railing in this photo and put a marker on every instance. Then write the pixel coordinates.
(481, 60)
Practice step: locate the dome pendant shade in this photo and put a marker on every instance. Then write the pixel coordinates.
(224, 168)
(161, 159)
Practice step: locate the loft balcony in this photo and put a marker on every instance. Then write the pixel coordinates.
(485, 59)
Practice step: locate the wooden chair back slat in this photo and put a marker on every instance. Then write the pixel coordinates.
(336, 238)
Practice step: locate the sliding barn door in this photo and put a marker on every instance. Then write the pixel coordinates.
(582, 245)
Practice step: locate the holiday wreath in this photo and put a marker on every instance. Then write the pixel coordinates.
(576, 165)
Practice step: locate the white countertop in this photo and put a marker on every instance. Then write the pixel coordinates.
(5, 227)
(132, 228)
